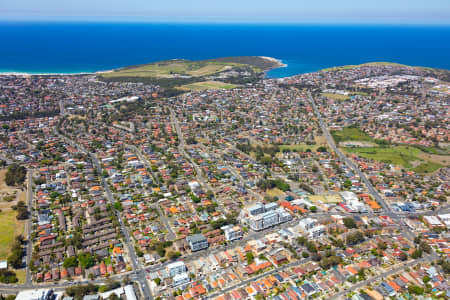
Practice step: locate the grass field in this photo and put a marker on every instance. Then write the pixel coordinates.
(321, 140)
(167, 69)
(406, 156)
(350, 134)
(21, 275)
(10, 227)
(427, 167)
(335, 198)
(398, 155)
(275, 192)
(336, 96)
(207, 85)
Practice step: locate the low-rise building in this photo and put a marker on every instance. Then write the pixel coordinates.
(197, 242)
(232, 232)
(176, 268)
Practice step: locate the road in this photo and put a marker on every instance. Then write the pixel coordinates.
(139, 273)
(371, 280)
(171, 234)
(200, 178)
(136, 267)
(62, 110)
(248, 281)
(385, 207)
(355, 168)
(28, 281)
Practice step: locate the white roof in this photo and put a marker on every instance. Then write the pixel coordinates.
(36, 294)
(432, 220)
(3, 264)
(176, 264)
(129, 292)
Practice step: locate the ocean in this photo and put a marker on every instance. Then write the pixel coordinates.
(52, 47)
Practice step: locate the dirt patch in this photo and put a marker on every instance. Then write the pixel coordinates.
(439, 159)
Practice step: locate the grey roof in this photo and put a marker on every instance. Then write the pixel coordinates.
(195, 238)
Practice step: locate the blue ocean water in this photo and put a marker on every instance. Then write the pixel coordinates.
(87, 47)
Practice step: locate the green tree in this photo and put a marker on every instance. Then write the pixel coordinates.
(416, 254)
(86, 260)
(416, 290)
(70, 262)
(118, 205)
(349, 222)
(250, 258)
(311, 247)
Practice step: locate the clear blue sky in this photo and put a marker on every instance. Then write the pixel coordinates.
(284, 11)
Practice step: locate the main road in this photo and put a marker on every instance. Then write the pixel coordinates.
(136, 267)
(362, 284)
(28, 281)
(171, 234)
(355, 168)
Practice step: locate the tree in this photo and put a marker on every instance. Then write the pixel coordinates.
(157, 280)
(305, 254)
(70, 262)
(86, 260)
(301, 240)
(173, 255)
(416, 254)
(322, 149)
(414, 289)
(118, 205)
(311, 247)
(349, 222)
(355, 238)
(417, 239)
(250, 257)
(7, 276)
(15, 260)
(15, 175)
(403, 256)
(425, 247)
(313, 209)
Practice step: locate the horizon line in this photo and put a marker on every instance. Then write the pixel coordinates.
(223, 22)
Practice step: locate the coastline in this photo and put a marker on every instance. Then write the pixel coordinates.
(278, 64)
(12, 73)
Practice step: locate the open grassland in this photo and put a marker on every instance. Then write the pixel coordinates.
(168, 69)
(398, 155)
(406, 156)
(336, 96)
(427, 167)
(350, 134)
(10, 227)
(321, 140)
(275, 192)
(328, 198)
(9, 195)
(207, 85)
(21, 276)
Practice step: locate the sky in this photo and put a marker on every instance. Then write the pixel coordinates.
(242, 11)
